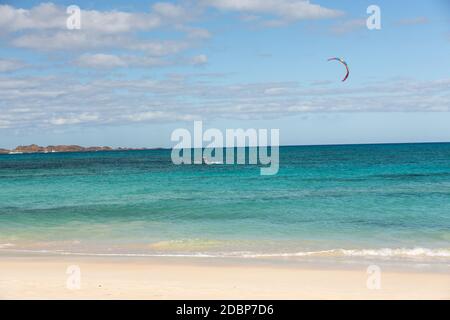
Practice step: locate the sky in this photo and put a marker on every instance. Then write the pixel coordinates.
(137, 70)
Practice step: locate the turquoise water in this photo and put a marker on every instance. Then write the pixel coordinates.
(355, 200)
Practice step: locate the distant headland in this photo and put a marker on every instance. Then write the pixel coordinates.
(34, 148)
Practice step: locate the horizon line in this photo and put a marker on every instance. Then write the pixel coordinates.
(226, 147)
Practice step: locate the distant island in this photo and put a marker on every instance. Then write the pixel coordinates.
(34, 148)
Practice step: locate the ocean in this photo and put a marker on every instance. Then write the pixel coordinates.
(388, 202)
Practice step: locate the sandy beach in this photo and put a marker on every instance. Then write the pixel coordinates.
(119, 278)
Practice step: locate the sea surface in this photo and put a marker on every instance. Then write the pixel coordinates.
(335, 203)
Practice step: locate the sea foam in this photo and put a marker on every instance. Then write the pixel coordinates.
(382, 252)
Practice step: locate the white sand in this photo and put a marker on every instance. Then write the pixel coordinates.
(110, 278)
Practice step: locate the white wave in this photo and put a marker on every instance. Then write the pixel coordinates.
(6, 245)
(403, 252)
(383, 252)
(213, 162)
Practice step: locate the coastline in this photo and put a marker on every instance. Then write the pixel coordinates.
(45, 277)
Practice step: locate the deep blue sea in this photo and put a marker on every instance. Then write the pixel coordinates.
(358, 201)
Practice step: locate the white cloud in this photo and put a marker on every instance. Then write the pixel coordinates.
(43, 28)
(160, 116)
(276, 91)
(108, 61)
(200, 59)
(159, 48)
(290, 10)
(43, 16)
(413, 21)
(63, 101)
(118, 22)
(7, 65)
(50, 16)
(82, 41)
(4, 124)
(195, 33)
(349, 26)
(66, 40)
(169, 10)
(101, 60)
(73, 119)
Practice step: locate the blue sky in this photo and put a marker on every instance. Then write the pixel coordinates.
(136, 70)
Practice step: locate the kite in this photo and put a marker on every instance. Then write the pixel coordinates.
(344, 63)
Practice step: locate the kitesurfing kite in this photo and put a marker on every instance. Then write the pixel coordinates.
(344, 63)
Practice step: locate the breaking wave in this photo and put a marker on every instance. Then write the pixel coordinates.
(382, 252)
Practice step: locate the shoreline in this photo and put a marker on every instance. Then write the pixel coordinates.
(318, 259)
(120, 149)
(45, 277)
